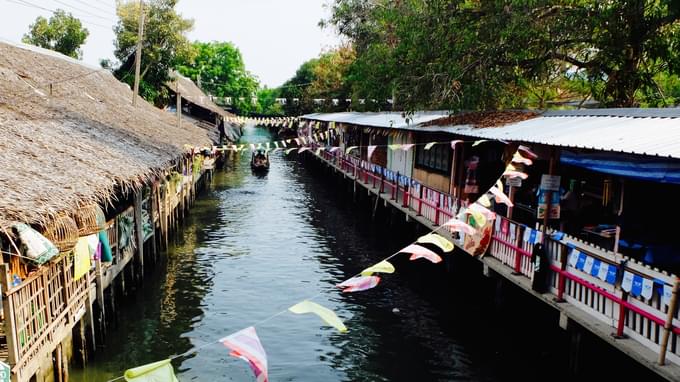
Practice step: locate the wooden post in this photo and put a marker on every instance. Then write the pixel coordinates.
(10, 324)
(512, 199)
(99, 285)
(89, 312)
(60, 373)
(548, 195)
(140, 232)
(668, 326)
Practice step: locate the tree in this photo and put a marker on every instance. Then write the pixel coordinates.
(218, 69)
(164, 44)
(267, 104)
(489, 54)
(324, 78)
(62, 33)
(295, 89)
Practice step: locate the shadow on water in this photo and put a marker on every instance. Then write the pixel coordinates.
(255, 245)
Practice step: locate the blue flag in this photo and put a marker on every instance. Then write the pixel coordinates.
(611, 274)
(596, 268)
(581, 261)
(636, 290)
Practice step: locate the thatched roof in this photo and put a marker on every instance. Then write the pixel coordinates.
(78, 144)
(192, 93)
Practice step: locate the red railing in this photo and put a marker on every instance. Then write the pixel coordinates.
(512, 244)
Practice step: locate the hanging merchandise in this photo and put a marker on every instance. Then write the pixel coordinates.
(327, 315)
(37, 247)
(358, 284)
(81, 258)
(154, 372)
(245, 344)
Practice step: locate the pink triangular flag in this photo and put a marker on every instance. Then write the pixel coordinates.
(515, 174)
(371, 149)
(500, 196)
(453, 143)
(358, 284)
(526, 152)
(418, 252)
(460, 226)
(246, 345)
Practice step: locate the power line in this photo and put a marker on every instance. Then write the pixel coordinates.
(32, 5)
(83, 10)
(106, 11)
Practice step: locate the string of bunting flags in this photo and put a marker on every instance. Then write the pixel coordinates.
(245, 343)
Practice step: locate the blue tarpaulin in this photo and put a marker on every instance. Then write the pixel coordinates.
(651, 169)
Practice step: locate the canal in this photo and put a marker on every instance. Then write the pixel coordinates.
(255, 245)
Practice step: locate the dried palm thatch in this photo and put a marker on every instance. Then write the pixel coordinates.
(79, 144)
(192, 93)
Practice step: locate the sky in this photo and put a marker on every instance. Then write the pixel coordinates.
(274, 36)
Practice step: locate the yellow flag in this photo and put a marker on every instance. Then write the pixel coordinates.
(153, 372)
(479, 142)
(382, 267)
(484, 200)
(429, 145)
(81, 258)
(349, 149)
(327, 315)
(290, 150)
(438, 240)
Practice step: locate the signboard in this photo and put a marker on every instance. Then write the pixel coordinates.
(550, 182)
(515, 182)
(5, 371)
(543, 205)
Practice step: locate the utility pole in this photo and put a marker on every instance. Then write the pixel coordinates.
(138, 56)
(179, 104)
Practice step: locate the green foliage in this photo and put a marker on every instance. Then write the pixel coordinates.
(164, 45)
(219, 70)
(471, 54)
(266, 102)
(62, 33)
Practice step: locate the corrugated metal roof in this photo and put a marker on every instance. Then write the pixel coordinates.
(379, 119)
(635, 135)
(651, 131)
(618, 112)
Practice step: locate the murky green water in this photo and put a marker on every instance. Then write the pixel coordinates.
(255, 245)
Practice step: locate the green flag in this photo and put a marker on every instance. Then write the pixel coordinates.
(154, 372)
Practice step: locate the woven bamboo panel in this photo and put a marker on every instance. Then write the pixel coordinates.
(63, 233)
(90, 219)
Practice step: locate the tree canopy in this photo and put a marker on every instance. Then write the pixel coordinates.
(62, 33)
(164, 44)
(468, 54)
(218, 69)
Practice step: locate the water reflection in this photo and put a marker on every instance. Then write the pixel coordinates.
(256, 245)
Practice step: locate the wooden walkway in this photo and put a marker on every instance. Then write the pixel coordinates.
(568, 312)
